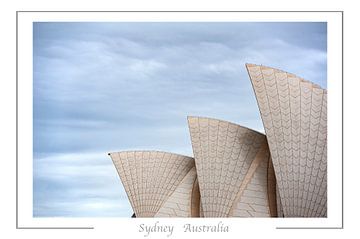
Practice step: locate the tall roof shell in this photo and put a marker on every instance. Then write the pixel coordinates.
(232, 167)
(294, 114)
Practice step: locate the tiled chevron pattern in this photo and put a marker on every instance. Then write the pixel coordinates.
(179, 203)
(294, 114)
(231, 163)
(151, 178)
(254, 201)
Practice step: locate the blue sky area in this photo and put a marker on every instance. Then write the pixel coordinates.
(104, 87)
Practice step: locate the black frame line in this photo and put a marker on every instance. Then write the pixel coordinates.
(342, 104)
(179, 11)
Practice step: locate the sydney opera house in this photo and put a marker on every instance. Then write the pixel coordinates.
(237, 171)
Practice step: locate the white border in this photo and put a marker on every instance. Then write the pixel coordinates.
(237, 225)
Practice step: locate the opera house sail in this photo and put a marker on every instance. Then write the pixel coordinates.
(294, 114)
(232, 164)
(237, 171)
(158, 183)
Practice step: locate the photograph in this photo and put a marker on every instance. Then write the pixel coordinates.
(159, 119)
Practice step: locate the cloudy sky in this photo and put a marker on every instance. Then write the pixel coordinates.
(104, 87)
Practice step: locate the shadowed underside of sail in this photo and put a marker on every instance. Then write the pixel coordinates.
(294, 114)
(150, 179)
